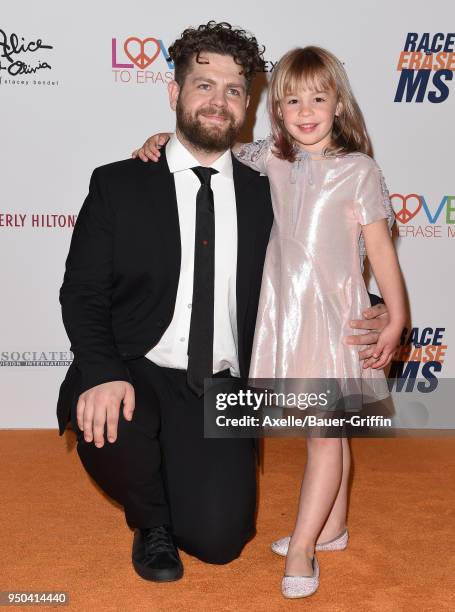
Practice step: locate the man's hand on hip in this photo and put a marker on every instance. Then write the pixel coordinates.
(374, 321)
(100, 405)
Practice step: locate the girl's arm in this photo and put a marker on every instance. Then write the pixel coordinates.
(386, 269)
(254, 154)
(151, 147)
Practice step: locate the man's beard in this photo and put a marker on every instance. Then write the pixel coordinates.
(211, 139)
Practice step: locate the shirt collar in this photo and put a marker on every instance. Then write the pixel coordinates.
(179, 158)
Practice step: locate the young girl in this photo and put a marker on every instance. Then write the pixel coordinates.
(330, 203)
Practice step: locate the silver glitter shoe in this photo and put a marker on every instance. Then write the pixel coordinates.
(301, 586)
(280, 547)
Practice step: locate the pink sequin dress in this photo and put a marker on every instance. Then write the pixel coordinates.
(312, 283)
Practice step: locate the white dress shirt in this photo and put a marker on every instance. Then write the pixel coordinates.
(172, 349)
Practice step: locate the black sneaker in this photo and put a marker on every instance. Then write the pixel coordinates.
(155, 556)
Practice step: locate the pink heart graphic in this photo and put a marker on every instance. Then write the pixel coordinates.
(141, 59)
(404, 214)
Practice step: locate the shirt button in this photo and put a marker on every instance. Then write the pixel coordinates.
(182, 339)
(189, 305)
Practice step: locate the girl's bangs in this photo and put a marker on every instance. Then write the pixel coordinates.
(307, 73)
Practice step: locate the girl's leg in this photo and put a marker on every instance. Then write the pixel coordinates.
(320, 486)
(336, 521)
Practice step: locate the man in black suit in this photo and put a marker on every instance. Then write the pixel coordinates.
(153, 304)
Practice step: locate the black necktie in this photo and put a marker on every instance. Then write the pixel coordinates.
(200, 342)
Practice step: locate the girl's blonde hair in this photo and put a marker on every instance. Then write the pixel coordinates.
(316, 69)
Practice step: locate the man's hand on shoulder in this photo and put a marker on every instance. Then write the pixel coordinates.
(100, 405)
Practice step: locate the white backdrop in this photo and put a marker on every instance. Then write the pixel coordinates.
(79, 110)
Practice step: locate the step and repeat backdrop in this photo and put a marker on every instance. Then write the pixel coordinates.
(84, 84)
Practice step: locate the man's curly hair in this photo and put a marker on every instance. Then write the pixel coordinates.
(219, 38)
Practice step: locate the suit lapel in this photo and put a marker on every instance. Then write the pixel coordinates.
(247, 219)
(161, 190)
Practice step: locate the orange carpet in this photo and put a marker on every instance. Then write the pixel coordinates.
(59, 532)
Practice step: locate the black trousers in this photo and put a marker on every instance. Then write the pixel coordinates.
(163, 470)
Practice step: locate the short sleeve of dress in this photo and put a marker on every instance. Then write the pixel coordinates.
(256, 154)
(372, 201)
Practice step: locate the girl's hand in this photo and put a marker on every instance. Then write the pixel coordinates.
(386, 345)
(151, 147)
(375, 319)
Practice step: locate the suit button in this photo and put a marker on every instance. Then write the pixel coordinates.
(161, 323)
(124, 354)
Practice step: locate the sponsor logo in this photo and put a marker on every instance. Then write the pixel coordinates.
(141, 60)
(11, 220)
(25, 61)
(40, 359)
(270, 66)
(420, 355)
(146, 60)
(420, 218)
(426, 66)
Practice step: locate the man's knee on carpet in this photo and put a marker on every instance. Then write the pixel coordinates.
(217, 546)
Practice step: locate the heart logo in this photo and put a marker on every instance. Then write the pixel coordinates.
(141, 52)
(405, 214)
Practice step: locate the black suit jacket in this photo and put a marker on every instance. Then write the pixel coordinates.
(122, 270)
